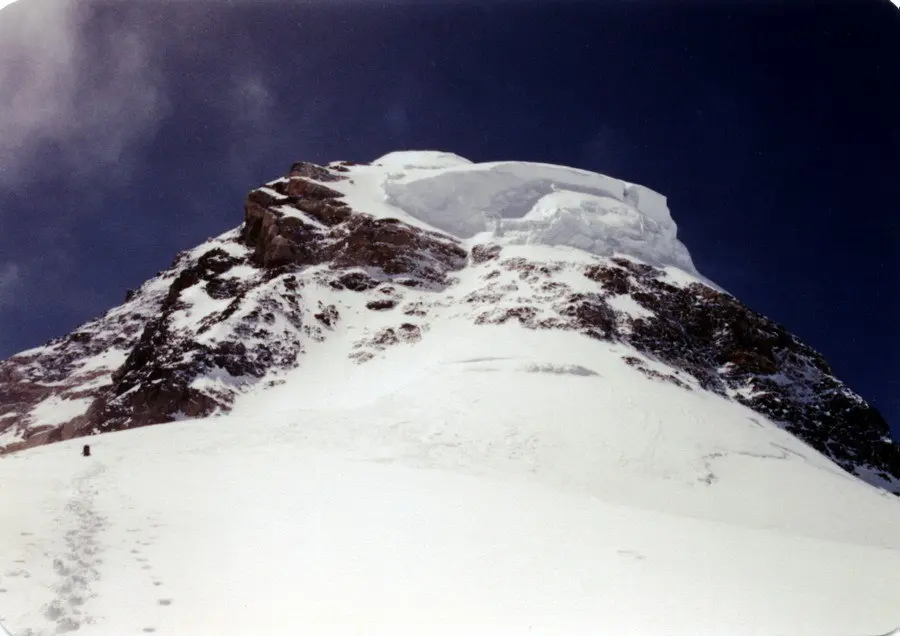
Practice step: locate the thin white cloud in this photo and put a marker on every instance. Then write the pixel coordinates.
(250, 101)
(84, 102)
(251, 111)
(10, 281)
(86, 93)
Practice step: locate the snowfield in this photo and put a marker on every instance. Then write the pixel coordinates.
(485, 480)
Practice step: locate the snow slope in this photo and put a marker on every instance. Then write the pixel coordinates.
(486, 479)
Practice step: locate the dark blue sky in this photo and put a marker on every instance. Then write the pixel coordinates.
(129, 131)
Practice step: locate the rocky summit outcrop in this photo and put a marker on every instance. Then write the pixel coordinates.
(221, 317)
(227, 316)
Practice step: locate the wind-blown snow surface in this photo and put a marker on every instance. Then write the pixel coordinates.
(484, 480)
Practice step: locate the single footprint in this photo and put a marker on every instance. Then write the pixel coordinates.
(165, 601)
(53, 611)
(67, 625)
(148, 630)
(634, 554)
(157, 583)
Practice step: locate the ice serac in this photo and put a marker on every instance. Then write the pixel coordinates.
(366, 262)
(537, 203)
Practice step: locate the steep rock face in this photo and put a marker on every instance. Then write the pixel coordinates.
(232, 312)
(310, 225)
(225, 314)
(45, 392)
(155, 383)
(266, 322)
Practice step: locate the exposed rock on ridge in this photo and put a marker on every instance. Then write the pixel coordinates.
(261, 325)
(723, 345)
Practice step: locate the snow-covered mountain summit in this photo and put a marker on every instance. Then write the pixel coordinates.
(373, 263)
(426, 395)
